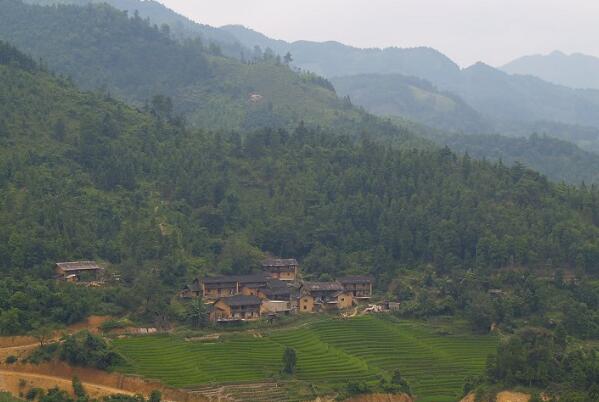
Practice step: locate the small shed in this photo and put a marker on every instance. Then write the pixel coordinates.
(75, 271)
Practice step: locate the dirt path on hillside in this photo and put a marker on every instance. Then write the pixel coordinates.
(20, 346)
(19, 383)
(504, 396)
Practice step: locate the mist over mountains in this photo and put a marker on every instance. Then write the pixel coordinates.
(575, 70)
(215, 76)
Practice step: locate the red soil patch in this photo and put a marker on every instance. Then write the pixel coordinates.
(381, 398)
(114, 382)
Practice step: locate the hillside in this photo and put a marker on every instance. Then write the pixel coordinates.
(334, 59)
(179, 26)
(559, 160)
(85, 176)
(101, 48)
(331, 354)
(574, 70)
(510, 103)
(515, 98)
(411, 98)
(211, 195)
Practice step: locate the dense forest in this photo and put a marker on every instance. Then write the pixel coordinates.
(85, 176)
(216, 163)
(558, 160)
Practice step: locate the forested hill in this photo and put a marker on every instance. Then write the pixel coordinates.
(412, 98)
(559, 160)
(180, 26)
(101, 47)
(85, 176)
(511, 103)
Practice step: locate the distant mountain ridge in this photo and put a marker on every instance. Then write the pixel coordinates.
(575, 70)
(412, 98)
(103, 48)
(509, 103)
(180, 26)
(334, 59)
(214, 92)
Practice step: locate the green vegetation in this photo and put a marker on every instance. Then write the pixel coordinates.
(81, 349)
(6, 397)
(330, 353)
(543, 361)
(160, 203)
(179, 26)
(88, 350)
(411, 98)
(558, 159)
(59, 395)
(84, 176)
(515, 105)
(136, 61)
(289, 360)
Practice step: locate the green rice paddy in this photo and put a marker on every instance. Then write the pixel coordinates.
(330, 353)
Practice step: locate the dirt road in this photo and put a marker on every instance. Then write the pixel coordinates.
(19, 383)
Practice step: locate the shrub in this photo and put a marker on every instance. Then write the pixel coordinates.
(115, 324)
(357, 388)
(88, 350)
(42, 354)
(33, 393)
(289, 360)
(11, 359)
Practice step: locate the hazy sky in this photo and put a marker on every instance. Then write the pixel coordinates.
(493, 31)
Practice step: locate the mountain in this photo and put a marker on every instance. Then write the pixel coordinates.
(100, 47)
(86, 176)
(411, 98)
(575, 70)
(510, 104)
(559, 160)
(334, 59)
(179, 26)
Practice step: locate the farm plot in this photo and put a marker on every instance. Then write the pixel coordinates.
(330, 353)
(435, 365)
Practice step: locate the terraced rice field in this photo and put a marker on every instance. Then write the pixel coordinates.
(330, 353)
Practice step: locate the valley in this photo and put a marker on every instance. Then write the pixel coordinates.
(198, 213)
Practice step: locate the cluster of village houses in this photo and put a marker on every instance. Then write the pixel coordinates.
(278, 289)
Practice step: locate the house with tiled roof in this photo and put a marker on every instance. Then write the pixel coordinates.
(323, 296)
(236, 308)
(282, 269)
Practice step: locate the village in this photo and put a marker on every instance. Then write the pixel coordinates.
(278, 289)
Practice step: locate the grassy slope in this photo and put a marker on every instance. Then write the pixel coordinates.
(288, 98)
(330, 354)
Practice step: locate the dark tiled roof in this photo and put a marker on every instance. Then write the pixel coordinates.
(79, 266)
(276, 292)
(194, 287)
(356, 279)
(279, 262)
(254, 278)
(276, 284)
(219, 279)
(322, 286)
(241, 300)
(242, 279)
